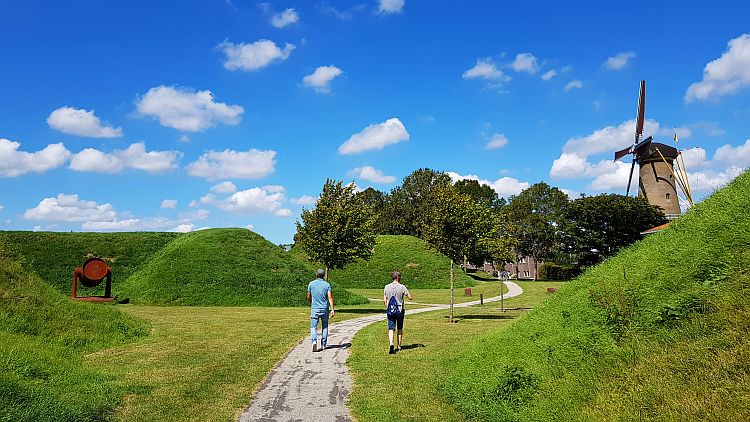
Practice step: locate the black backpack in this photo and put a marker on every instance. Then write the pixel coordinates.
(393, 309)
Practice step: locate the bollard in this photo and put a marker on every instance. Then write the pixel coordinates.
(481, 298)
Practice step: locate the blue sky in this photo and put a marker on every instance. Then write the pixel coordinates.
(130, 116)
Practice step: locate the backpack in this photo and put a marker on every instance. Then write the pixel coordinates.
(393, 309)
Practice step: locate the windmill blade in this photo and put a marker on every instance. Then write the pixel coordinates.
(630, 177)
(641, 112)
(623, 152)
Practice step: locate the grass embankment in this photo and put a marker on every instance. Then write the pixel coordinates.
(43, 339)
(226, 267)
(441, 296)
(659, 332)
(432, 348)
(420, 266)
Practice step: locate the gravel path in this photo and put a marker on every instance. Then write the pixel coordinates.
(307, 386)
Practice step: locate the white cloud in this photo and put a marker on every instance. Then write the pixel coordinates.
(250, 227)
(37, 228)
(704, 181)
(609, 139)
(504, 186)
(169, 203)
(525, 62)
(282, 19)
(370, 174)
(228, 164)
(224, 187)
(729, 156)
(253, 56)
(498, 140)
(135, 157)
(575, 83)
(274, 188)
(320, 79)
(186, 110)
(391, 6)
(304, 200)
(184, 228)
(617, 179)
(69, 208)
(15, 163)
(619, 61)
(549, 75)
(255, 201)
(1, 207)
(81, 122)
(485, 69)
(135, 224)
(725, 75)
(375, 136)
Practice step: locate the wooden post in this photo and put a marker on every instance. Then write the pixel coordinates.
(451, 317)
(481, 298)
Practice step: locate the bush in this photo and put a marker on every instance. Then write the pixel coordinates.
(552, 271)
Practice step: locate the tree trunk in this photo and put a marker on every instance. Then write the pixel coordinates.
(326, 277)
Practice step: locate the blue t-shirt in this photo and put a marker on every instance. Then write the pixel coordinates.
(319, 289)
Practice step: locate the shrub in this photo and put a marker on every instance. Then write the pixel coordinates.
(552, 271)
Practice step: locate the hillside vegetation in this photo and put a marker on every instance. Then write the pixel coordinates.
(43, 338)
(659, 332)
(226, 267)
(421, 267)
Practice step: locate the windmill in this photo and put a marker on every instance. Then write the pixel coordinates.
(658, 180)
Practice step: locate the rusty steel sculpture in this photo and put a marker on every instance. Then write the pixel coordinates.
(90, 274)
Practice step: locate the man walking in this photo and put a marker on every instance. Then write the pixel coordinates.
(393, 298)
(319, 296)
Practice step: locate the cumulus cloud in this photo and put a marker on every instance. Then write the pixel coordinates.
(726, 75)
(282, 19)
(608, 139)
(619, 61)
(304, 200)
(70, 208)
(375, 136)
(486, 69)
(320, 79)
(224, 187)
(169, 203)
(525, 62)
(370, 174)
(729, 156)
(253, 56)
(574, 84)
(504, 186)
(1, 207)
(15, 163)
(391, 6)
(498, 140)
(255, 201)
(228, 164)
(135, 157)
(81, 122)
(549, 75)
(186, 110)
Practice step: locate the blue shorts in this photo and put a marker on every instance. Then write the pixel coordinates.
(396, 321)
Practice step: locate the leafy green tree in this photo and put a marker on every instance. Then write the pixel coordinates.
(479, 193)
(339, 230)
(537, 212)
(376, 201)
(408, 205)
(596, 227)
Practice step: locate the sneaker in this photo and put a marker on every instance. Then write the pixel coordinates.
(322, 347)
(391, 350)
(315, 347)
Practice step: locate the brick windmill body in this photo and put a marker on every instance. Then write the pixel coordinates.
(658, 181)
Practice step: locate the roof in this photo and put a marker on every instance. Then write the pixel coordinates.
(656, 229)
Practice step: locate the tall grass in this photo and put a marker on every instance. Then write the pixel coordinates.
(614, 343)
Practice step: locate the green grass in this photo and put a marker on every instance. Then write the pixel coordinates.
(225, 267)
(44, 337)
(421, 267)
(658, 332)
(434, 347)
(440, 296)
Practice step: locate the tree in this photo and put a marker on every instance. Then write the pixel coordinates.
(408, 204)
(376, 201)
(537, 212)
(339, 230)
(479, 193)
(596, 227)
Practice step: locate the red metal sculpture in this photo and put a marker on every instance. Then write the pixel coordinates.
(93, 271)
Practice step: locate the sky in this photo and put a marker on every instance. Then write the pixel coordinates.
(183, 115)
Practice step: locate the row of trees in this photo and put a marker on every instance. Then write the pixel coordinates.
(468, 222)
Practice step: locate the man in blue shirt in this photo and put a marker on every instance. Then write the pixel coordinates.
(319, 295)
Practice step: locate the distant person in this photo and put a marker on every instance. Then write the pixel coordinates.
(393, 298)
(319, 296)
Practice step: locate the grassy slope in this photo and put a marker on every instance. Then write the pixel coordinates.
(658, 332)
(53, 256)
(227, 267)
(43, 337)
(420, 266)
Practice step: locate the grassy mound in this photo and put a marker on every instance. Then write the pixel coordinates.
(420, 266)
(43, 337)
(225, 267)
(658, 332)
(53, 255)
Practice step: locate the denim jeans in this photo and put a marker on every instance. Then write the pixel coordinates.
(321, 314)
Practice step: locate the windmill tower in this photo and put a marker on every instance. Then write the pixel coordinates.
(658, 181)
